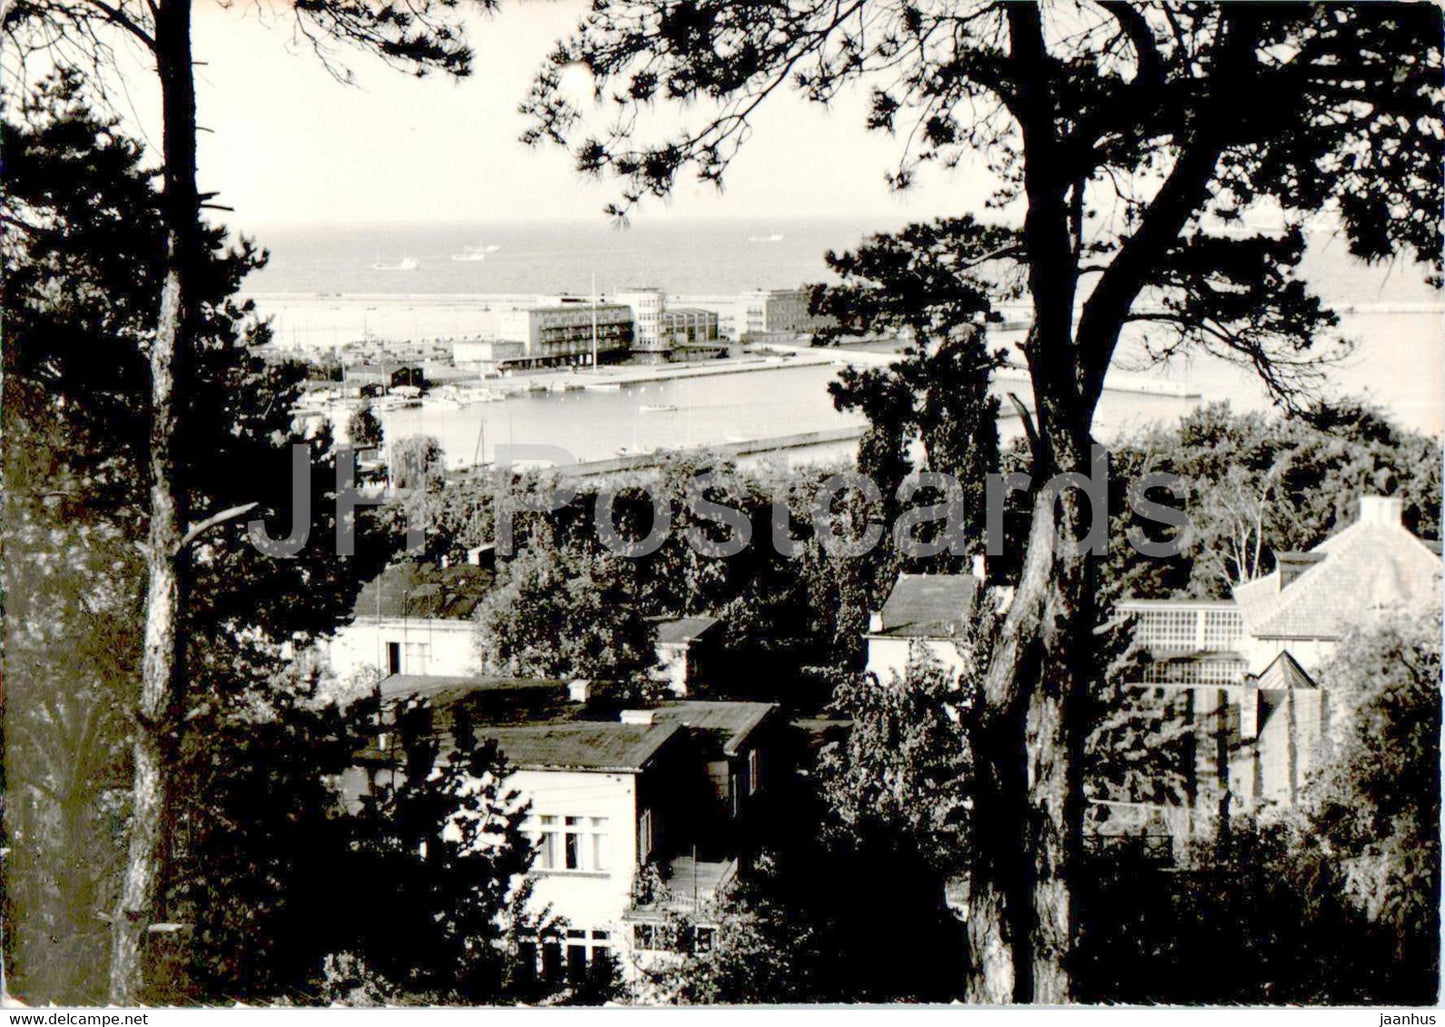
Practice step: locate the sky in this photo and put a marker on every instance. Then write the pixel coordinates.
(288, 144)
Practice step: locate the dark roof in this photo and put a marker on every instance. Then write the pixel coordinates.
(389, 367)
(683, 629)
(424, 591)
(734, 721)
(444, 688)
(1284, 673)
(928, 606)
(582, 745)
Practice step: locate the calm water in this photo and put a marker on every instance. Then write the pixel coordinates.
(597, 425)
(320, 290)
(711, 410)
(691, 255)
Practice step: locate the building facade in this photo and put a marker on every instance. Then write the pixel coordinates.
(552, 335)
(690, 326)
(413, 618)
(1247, 672)
(923, 612)
(650, 343)
(634, 820)
(686, 647)
(777, 312)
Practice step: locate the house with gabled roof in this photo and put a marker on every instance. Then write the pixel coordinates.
(686, 647)
(415, 617)
(1248, 668)
(927, 611)
(1311, 600)
(635, 817)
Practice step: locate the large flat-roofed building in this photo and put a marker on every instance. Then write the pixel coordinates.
(488, 355)
(777, 312)
(689, 326)
(648, 303)
(662, 333)
(551, 335)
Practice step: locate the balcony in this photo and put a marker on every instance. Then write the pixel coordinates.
(682, 885)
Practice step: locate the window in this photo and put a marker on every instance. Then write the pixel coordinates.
(644, 836)
(601, 844)
(551, 959)
(527, 962)
(755, 779)
(645, 937)
(704, 939)
(393, 658)
(418, 654)
(547, 845)
(576, 956)
(572, 843)
(567, 957)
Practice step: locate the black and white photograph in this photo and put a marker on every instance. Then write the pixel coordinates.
(685, 503)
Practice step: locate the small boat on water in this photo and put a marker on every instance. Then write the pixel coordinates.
(472, 253)
(441, 400)
(656, 408)
(469, 396)
(603, 386)
(775, 237)
(404, 264)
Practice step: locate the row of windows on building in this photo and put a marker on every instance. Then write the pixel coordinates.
(1185, 628)
(572, 843)
(570, 955)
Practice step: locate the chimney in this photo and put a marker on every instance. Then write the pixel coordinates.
(643, 717)
(980, 567)
(875, 622)
(1381, 510)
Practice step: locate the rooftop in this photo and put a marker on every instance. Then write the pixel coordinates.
(442, 689)
(1284, 673)
(733, 720)
(683, 629)
(582, 745)
(424, 591)
(1374, 565)
(927, 606)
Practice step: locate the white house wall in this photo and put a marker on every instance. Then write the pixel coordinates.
(428, 646)
(889, 655)
(589, 900)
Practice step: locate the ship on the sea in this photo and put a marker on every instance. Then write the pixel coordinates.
(775, 237)
(404, 264)
(472, 253)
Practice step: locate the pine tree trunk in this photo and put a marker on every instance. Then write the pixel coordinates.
(162, 683)
(1027, 739)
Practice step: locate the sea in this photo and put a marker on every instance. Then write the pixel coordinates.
(321, 289)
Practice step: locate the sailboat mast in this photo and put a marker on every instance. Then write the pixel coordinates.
(594, 322)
